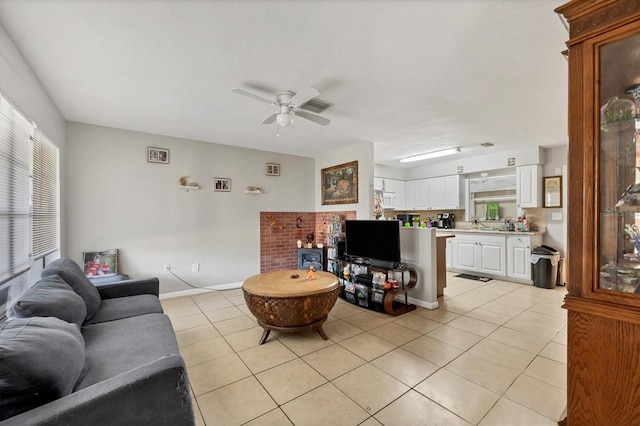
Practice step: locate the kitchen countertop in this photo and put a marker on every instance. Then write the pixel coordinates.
(488, 231)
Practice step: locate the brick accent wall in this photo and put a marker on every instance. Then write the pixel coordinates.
(279, 232)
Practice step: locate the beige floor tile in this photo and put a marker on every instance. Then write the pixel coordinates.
(236, 403)
(500, 307)
(245, 339)
(245, 310)
(199, 421)
(267, 355)
(502, 354)
(457, 307)
(344, 310)
(272, 418)
(323, 406)
(224, 314)
(538, 396)
(551, 309)
(204, 351)
(536, 324)
(234, 325)
(333, 361)
(489, 316)
(455, 337)
(197, 334)
(217, 373)
(395, 333)
(179, 307)
(472, 325)
(415, 409)
(340, 330)
(410, 369)
(370, 388)
(365, 321)
(305, 342)
(188, 321)
(290, 380)
(417, 323)
(439, 315)
(515, 301)
(508, 413)
(446, 389)
(493, 377)
(371, 421)
(519, 339)
(433, 350)
(549, 371)
(208, 304)
(236, 299)
(561, 336)
(555, 351)
(367, 346)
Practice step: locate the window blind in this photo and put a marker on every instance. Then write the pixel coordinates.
(15, 220)
(44, 219)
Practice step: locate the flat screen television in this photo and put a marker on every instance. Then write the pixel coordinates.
(375, 241)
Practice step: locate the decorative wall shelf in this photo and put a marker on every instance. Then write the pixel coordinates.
(188, 187)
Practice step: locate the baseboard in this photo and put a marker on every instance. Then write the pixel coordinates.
(230, 286)
(423, 304)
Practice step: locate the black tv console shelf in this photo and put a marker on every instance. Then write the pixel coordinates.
(359, 289)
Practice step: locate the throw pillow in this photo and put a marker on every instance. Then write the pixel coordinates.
(73, 275)
(41, 359)
(50, 297)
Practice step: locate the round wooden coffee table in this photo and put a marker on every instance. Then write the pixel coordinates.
(286, 301)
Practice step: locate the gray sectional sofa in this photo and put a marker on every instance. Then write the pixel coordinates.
(72, 353)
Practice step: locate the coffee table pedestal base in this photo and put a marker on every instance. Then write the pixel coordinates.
(316, 325)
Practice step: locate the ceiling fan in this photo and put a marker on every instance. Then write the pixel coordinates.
(289, 104)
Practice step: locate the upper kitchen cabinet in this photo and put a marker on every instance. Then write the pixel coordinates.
(603, 266)
(393, 192)
(453, 195)
(529, 186)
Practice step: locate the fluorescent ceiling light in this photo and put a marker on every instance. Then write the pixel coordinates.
(434, 154)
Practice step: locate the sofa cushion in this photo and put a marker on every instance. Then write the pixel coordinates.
(50, 297)
(125, 307)
(73, 275)
(41, 359)
(115, 347)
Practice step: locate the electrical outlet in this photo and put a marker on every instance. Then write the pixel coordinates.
(556, 216)
(195, 267)
(167, 267)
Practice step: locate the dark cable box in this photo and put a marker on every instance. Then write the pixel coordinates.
(364, 278)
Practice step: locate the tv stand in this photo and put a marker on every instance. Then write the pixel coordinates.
(370, 293)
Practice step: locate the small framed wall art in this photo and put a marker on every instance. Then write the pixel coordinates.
(157, 155)
(273, 169)
(222, 184)
(553, 191)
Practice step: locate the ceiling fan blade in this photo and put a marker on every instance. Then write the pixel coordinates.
(304, 96)
(256, 97)
(312, 117)
(270, 119)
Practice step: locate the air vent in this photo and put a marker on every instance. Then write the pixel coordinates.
(486, 144)
(315, 105)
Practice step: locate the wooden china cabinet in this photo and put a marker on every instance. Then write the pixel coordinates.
(603, 303)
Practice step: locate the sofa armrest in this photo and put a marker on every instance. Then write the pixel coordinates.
(131, 287)
(153, 394)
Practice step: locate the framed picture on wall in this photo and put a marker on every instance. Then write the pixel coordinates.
(340, 184)
(157, 155)
(553, 191)
(222, 184)
(273, 169)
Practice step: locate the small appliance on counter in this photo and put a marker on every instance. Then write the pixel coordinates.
(406, 218)
(447, 220)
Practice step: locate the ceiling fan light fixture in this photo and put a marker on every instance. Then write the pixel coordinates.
(284, 119)
(433, 154)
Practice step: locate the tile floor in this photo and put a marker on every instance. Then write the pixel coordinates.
(493, 354)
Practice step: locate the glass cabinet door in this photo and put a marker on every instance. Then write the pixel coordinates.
(618, 165)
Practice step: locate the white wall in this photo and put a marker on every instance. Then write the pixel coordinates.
(363, 154)
(119, 200)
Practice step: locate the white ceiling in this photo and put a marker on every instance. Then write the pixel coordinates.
(410, 76)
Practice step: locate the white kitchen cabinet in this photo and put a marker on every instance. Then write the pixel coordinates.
(411, 194)
(484, 254)
(519, 255)
(528, 186)
(453, 196)
(398, 187)
(449, 253)
(436, 193)
(423, 197)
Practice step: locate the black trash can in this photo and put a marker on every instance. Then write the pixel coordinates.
(544, 266)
